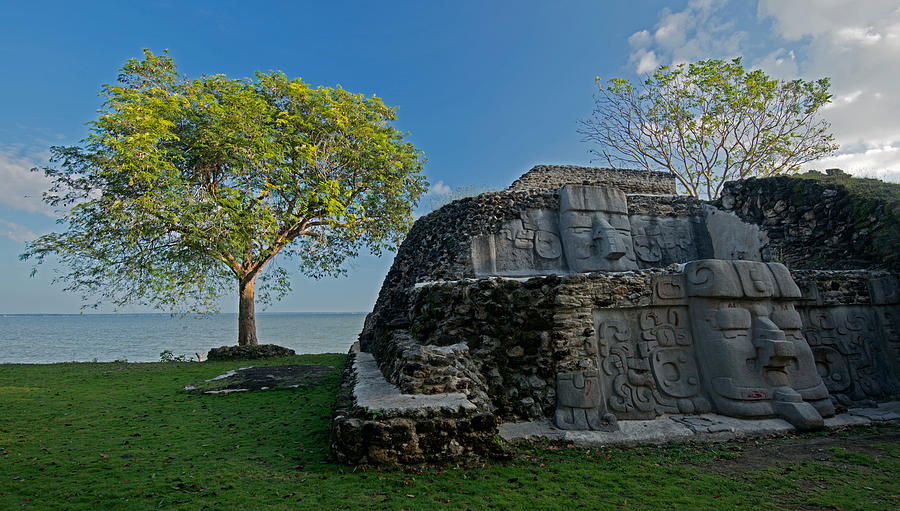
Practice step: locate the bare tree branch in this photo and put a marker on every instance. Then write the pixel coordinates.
(710, 122)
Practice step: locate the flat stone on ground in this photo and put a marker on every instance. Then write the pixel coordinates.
(707, 427)
(889, 411)
(261, 378)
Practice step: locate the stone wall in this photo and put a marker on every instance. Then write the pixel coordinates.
(586, 306)
(375, 424)
(852, 323)
(551, 177)
(818, 224)
(520, 333)
(439, 246)
(524, 350)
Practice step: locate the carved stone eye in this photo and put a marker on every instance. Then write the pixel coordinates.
(547, 245)
(733, 319)
(787, 319)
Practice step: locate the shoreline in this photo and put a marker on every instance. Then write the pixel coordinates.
(174, 362)
(172, 314)
(47, 339)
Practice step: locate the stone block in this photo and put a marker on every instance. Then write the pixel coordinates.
(712, 277)
(732, 238)
(884, 291)
(889, 411)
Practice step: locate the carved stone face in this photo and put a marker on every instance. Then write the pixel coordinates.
(754, 357)
(595, 230)
(526, 245)
(592, 236)
(742, 323)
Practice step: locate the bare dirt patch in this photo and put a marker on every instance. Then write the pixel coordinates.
(781, 451)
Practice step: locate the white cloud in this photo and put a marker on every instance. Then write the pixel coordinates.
(672, 30)
(439, 188)
(16, 232)
(647, 61)
(685, 36)
(877, 162)
(797, 19)
(862, 35)
(21, 188)
(843, 99)
(640, 39)
(855, 44)
(780, 64)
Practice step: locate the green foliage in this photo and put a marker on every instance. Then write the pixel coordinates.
(124, 436)
(168, 356)
(709, 122)
(184, 186)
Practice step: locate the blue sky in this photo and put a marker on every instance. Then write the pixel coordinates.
(486, 89)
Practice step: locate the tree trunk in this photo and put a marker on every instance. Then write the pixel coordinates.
(246, 316)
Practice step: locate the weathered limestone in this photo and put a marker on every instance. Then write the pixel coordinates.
(751, 367)
(375, 423)
(594, 226)
(733, 238)
(850, 320)
(580, 404)
(707, 427)
(528, 245)
(587, 305)
(814, 222)
(594, 230)
(551, 177)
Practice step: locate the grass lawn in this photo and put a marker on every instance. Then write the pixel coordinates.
(125, 436)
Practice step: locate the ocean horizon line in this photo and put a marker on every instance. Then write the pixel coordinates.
(176, 314)
(141, 337)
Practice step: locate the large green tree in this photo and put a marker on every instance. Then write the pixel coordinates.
(710, 122)
(185, 187)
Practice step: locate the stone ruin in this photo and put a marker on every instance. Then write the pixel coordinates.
(597, 306)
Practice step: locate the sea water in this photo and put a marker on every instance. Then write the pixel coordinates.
(46, 338)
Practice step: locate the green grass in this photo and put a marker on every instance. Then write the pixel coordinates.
(864, 187)
(855, 482)
(125, 436)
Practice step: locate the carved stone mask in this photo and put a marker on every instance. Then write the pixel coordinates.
(595, 230)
